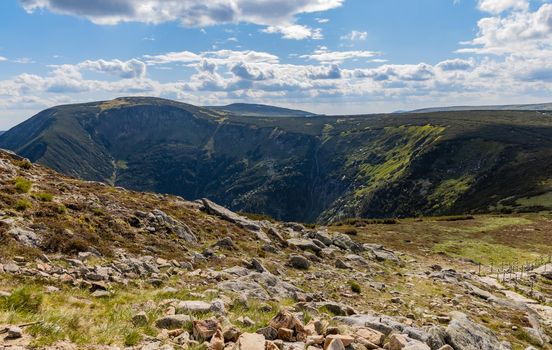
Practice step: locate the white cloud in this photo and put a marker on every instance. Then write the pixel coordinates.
(355, 36)
(129, 69)
(322, 20)
(295, 32)
(499, 6)
(322, 55)
(455, 65)
(277, 14)
(2, 58)
(521, 33)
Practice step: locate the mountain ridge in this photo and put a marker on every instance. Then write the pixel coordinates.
(321, 168)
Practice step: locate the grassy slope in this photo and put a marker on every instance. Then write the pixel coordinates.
(319, 168)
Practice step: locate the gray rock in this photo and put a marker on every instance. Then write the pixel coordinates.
(262, 286)
(345, 242)
(11, 268)
(14, 332)
(299, 262)
(304, 244)
(192, 306)
(322, 237)
(24, 236)
(225, 242)
(380, 253)
(463, 334)
(228, 215)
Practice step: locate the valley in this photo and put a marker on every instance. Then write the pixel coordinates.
(310, 169)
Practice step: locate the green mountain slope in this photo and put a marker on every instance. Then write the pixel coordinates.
(322, 168)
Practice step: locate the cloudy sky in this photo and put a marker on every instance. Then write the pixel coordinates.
(327, 56)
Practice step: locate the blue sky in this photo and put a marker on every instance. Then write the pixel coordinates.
(328, 56)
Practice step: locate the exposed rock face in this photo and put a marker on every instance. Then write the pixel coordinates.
(226, 214)
(26, 237)
(250, 341)
(299, 262)
(463, 334)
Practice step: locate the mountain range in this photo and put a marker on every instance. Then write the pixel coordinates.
(321, 168)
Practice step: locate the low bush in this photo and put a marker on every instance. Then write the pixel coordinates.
(23, 204)
(355, 287)
(22, 185)
(24, 164)
(43, 196)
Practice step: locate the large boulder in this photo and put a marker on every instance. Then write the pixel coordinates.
(305, 244)
(345, 242)
(228, 215)
(463, 334)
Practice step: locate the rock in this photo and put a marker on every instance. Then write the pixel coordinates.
(228, 215)
(370, 335)
(323, 237)
(380, 253)
(345, 339)
(173, 321)
(250, 341)
(299, 262)
(262, 286)
(217, 341)
(258, 266)
(11, 268)
(205, 329)
(304, 244)
(345, 242)
(285, 319)
(217, 306)
(314, 340)
(25, 237)
(467, 335)
(4, 294)
(226, 243)
(14, 332)
(340, 264)
(231, 334)
(285, 334)
(397, 342)
(446, 347)
(270, 333)
(333, 344)
(140, 319)
(101, 294)
(192, 306)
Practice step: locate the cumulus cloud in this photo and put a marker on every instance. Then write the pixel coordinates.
(323, 55)
(129, 69)
(498, 6)
(455, 64)
(520, 32)
(355, 35)
(279, 15)
(295, 32)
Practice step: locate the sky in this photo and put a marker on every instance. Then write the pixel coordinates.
(325, 56)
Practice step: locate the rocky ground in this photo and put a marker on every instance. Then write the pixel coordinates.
(88, 266)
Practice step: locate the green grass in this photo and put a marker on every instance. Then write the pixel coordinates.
(43, 196)
(355, 287)
(23, 204)
(24, 164)
(22, 185)
(483, 252)
(22, 300)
